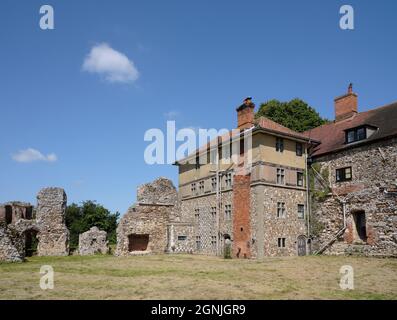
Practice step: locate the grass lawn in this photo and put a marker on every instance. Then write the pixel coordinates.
(199, 277)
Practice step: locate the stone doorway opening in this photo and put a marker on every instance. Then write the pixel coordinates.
(360, 224)
(301, 245)
(8, 214)
(138, 242)
(31, 243)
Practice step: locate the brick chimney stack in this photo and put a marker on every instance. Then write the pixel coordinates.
(245, 114)
(346, 105)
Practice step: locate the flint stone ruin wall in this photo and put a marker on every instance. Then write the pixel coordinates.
(143, 229)
(49, 226)
(93, 241)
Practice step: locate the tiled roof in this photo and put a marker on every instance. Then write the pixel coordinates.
(332, 135)
(270, 125)
(260, 123)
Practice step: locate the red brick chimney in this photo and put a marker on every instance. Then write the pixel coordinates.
(346, 105)
(245, 114)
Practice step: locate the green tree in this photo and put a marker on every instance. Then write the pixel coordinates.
(295, 114)
(80, 218)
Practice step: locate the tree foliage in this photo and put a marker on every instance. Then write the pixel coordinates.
(80, 218)
(295, 114)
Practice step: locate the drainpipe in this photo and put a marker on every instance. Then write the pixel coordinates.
(307, 195)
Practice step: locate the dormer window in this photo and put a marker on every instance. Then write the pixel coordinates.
(359, 133)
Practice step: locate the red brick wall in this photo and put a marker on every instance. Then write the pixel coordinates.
(245, 117)
(241, 216)
(345, 106)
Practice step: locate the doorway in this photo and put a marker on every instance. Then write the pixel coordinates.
(8, 214)
(360, 225)
(138, 242)
(301, 246)
(31, 243)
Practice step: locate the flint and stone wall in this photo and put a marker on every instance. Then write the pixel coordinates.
(267, 227)
(49, 227)
(157, 209)
(372, 189)
(93, 241)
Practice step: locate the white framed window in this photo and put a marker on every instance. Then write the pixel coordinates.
(193, 188)
(213, 183)
(228, 212)
(201, 186)
(301, 211)
(299, 179)
(280, 176)
(213, 242)
(197, 214)
(281, 210)
(228, 180)
(279, 144)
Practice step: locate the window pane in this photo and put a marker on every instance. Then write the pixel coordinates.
(338, 175)
(299, 149)
(350, 136)
(348, 173)
(361, 134)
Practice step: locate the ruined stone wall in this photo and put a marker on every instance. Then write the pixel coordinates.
(11, 245)
(149, 218)
(50, 217)
(160, 191)
(267, 227)
(49, 226)
(93, 241)
(374, 172)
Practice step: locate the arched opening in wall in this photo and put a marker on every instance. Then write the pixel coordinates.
(138, 242)
(360, 225)
(8, 214)
(31, 242)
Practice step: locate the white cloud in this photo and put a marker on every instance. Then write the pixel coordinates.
(30, 155)
(113, 65)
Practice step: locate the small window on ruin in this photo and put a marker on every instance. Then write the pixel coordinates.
(182, 238)
(281, 242)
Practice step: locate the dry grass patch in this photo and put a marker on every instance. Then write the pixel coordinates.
(199, 277)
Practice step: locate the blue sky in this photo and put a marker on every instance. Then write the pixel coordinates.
(192, 61)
